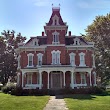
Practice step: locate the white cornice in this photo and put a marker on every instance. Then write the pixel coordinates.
(81, 46)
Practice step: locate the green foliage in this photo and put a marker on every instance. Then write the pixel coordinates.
(99, 32)
(8, 87)
(8, 57)
(87, 102)
(1, 85)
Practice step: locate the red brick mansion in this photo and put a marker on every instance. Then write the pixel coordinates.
(56, 59)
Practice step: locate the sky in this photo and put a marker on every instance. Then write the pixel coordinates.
(30, 16)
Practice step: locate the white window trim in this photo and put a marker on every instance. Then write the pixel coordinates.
(30, 54)
(39, 55)
(56, 62)
(35, 40)
(82, 63)
(72, 59)
(56, 34)
(76, 40)
(57, 20)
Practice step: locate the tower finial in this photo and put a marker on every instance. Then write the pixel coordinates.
(52, 4)
(59, 5)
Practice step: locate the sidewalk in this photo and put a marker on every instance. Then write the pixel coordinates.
(56, 103)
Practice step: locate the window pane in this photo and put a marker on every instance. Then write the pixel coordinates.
(30, 60)
(53, 58)
(30, 63)
(40, 59)
(29, 79)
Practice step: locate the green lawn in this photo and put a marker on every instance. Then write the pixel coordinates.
(87, 102)
(9, 102)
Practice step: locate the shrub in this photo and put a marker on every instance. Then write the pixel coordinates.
(18, 91)
(1, 85)
(8, 87)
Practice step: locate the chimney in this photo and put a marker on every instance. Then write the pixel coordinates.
(42, 33)
(69, 33)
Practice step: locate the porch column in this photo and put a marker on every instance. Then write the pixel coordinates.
(90, 78)
(48, 81)
(18, 78)
(94, 78)
(40, 81)
(64, 79)
(72, 80)
(22, 79)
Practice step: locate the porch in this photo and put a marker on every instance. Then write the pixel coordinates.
(57, 78)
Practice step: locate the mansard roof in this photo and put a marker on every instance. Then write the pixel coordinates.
(41, 40)
(70, 40)
(56, 12)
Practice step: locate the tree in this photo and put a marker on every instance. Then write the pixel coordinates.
(99, 32)
(8, 58)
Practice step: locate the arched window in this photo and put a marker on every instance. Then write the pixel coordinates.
(76, 41)
(55, 38)
(55, 20)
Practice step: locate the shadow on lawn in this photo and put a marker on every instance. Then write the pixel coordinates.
(76, 96)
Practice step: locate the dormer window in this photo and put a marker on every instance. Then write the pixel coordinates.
(55, 38)
(35, 42)
(55, 20)
(76, 41)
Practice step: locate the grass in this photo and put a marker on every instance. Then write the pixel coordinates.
(88, 102)
(9, 102)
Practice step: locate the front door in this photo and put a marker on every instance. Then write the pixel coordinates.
(56, 81)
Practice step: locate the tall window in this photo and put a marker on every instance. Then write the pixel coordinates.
(30, 60)
(72, 59)
(55, 38)
(29, 78)
(55, 57)
(39, 55)
(82, 59)
(83, 78)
